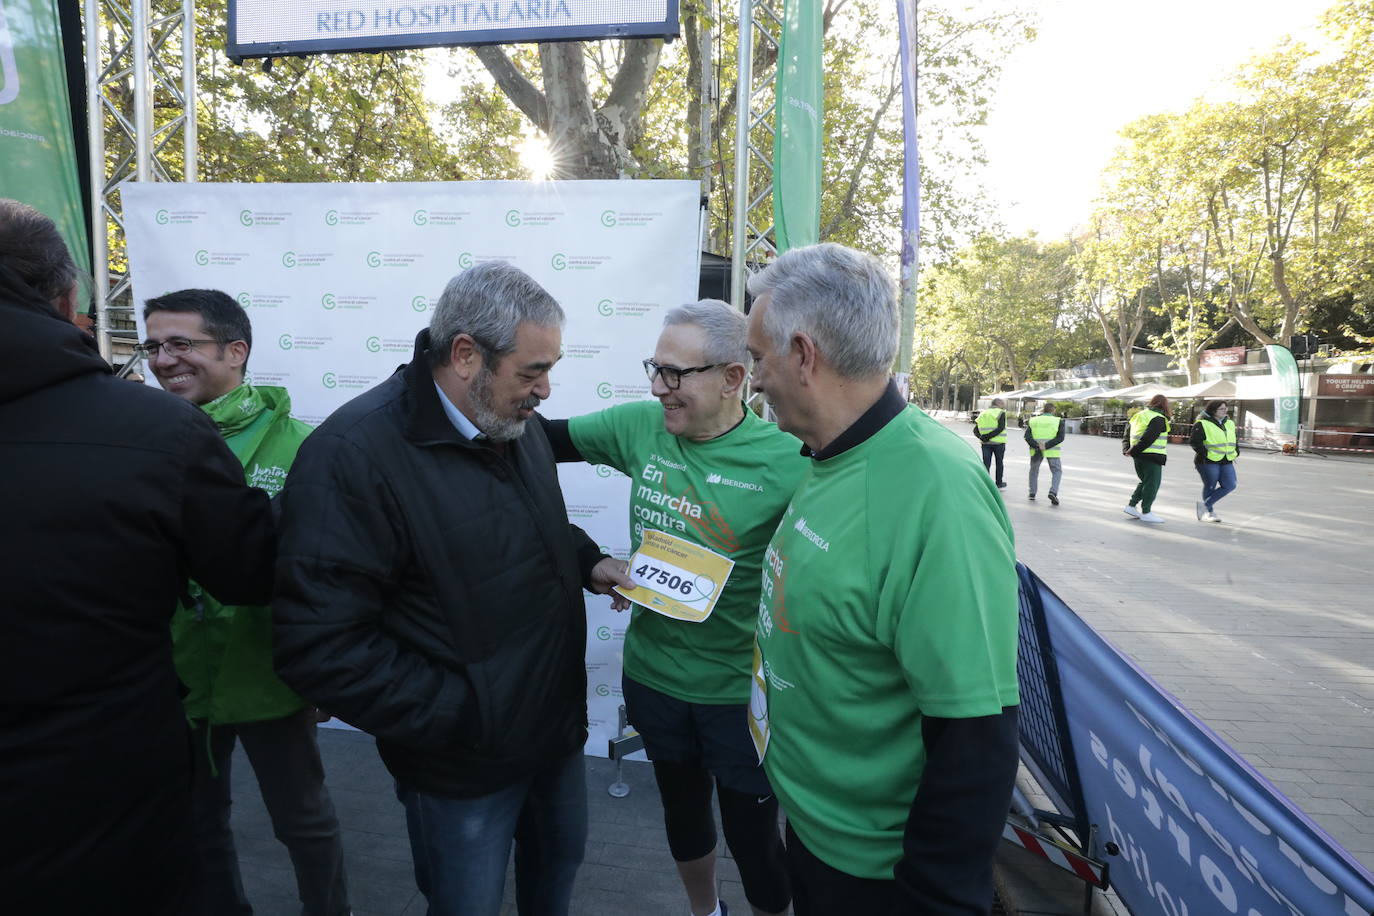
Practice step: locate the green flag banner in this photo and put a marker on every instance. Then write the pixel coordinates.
(798, 132)
(1286, 399)
(37, 154)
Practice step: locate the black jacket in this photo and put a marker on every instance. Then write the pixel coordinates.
(1157, 427)
(430, 590)
(1057, 440)
(113, 494)
(1198, 439)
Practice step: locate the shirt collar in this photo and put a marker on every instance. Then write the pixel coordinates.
(875, 418)
(466, 428)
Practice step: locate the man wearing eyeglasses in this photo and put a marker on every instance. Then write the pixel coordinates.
(197, 347)
(704, 468)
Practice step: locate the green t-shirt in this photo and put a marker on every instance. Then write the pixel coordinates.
(890, 593)
(727, 495)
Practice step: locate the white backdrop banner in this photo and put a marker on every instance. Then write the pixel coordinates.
(338, 279)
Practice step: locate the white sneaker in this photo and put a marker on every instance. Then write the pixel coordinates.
(1201, 509)
(1213, 517)
(1152, 518)
(1132, 511)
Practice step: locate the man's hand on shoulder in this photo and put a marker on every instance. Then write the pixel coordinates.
(607, 573)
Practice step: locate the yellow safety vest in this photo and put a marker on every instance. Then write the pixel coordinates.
(1140, 421)
(1043, 428)
(987, 422)
(1220, 440)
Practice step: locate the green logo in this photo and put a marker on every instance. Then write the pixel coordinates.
(606, 307)
(602, 690)
(331, 217)
(465, 260)
(419, 303)
(420, 217)
(559, 261)
(603, 471)
(374, 259)
(512, 217)
(285, 342)
(603, 633)
(374, 344)
(604, 390)
(161, 217)
(608, 218)
(246, 217)
(328, 301)
(288, 259)
(328, 380)
(245, 300)
(202, 257)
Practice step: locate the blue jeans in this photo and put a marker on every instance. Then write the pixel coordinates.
(461, 845)
(1217, 480)
(996, 451)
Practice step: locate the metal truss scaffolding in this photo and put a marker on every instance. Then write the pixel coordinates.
(760, 23)
(140, 102)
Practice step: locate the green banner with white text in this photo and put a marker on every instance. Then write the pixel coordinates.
(799, 127)
(37, 154)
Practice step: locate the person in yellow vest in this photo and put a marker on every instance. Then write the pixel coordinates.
(1044, 433)
(1214, 442)
(1147, 440)
(991, 430)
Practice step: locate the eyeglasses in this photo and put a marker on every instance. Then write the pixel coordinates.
(172, 346)
(672, 376)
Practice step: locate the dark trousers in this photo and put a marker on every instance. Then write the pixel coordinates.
(997, 451)
(820, 890)
(1149, 474)
(461, 845)
(286, 761)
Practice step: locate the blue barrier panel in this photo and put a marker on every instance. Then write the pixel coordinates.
(1193, 828)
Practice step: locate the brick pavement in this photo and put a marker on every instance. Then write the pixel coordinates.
(1262, 625)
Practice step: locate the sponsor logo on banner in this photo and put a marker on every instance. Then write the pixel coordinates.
(258, 377)
(532, 218)
(178, 217)
(422, 303)
(332, 380)
(263, 218)
(350, 217)
(439, 218)
(607, 392)
(561, 261)
(606, 634)
(586, 351)
(332, 302)
(609, 308)
(206, 258)
(628, 219)
(387, 345)
(584, 510)
(382, 259)
(607, 690)
(737, 484)
(295, 342)
(605, 470)
(293, 259)
(262, 300)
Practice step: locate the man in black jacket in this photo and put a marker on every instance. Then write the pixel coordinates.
(430, 593)
(114, 493)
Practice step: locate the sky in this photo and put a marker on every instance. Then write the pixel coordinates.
(1097, 65)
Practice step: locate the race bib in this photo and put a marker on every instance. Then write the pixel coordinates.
(677, 578)
(758, 706)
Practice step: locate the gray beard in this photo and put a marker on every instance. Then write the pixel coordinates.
(485, 416)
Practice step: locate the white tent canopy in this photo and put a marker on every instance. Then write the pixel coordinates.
(1212, 388)
(1047, 394)
(1085, 394)
(1138, 392)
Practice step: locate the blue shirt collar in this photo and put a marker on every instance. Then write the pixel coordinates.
(465, 427)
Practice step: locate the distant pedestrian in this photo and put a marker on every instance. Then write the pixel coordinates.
(1044, 433)
(991, 430)
(1147, 439)
(1214, 441)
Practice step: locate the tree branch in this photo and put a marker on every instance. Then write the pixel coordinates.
(515, 85)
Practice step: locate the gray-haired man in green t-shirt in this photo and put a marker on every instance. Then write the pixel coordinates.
(704, 468)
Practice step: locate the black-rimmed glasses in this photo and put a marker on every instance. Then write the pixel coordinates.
(172, 346)
(671, 375)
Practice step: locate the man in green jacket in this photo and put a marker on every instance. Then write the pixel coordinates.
(197, 346)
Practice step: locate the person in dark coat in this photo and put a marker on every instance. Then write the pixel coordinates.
(114, 494)
(429, 591)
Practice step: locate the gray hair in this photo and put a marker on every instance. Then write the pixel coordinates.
(841, 298)
(724, 326)
(488, 303)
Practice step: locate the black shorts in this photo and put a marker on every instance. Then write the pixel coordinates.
(715, 738)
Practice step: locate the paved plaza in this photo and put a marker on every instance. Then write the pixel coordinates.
(1262, 625)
